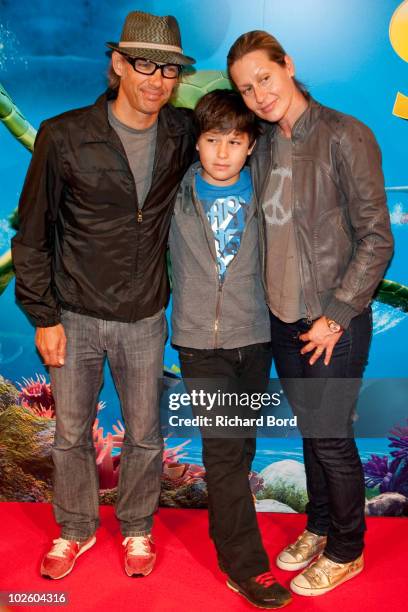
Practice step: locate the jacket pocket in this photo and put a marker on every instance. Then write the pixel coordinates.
(189, 355)
(104, 190)
(244, 303)
(194, 303)
(332, 249)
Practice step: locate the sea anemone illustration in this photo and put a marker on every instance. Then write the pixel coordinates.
(36, 396)
(399, 440)
(378, 473)
(173, 454)
(107, 462)
(390, 474)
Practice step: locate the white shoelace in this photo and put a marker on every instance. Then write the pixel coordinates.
(138, 545)
(60, 547)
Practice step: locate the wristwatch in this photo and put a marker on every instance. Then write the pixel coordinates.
(334, 326)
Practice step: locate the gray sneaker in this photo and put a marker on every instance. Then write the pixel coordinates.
(298, 555)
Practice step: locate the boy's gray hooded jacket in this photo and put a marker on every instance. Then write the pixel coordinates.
(206, 313)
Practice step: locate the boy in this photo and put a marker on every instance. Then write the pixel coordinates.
(220, 323)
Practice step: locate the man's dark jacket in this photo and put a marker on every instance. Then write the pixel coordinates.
(83, 244)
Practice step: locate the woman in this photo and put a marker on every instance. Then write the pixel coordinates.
(327, 241)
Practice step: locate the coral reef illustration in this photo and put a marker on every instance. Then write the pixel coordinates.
(27, 426)
(387, 477)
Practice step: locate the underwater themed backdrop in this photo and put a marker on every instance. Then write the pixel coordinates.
(353, 56)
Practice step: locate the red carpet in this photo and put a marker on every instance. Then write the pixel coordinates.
(186, 578)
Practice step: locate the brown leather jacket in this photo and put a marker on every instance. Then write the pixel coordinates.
(339, 209)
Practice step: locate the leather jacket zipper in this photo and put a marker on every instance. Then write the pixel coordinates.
(309, 319)
(261, 220)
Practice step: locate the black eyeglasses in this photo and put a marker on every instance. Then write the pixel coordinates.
(144, 66)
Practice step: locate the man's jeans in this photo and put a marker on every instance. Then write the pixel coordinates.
(334, 474)
(135, 355)
(231, 510)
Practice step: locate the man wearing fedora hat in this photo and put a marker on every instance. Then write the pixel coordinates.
(91, 274)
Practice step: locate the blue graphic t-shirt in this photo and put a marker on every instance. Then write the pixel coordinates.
(226, 209)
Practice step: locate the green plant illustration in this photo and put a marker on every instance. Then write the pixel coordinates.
(15, 121)
(285, 493)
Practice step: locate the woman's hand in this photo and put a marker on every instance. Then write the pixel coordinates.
(320, 339)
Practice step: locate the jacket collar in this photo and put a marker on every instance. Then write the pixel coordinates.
(98, 128)
(301, 127)
(262, 157)
(306, 121)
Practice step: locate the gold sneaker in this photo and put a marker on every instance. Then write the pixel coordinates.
(298, 555)
(323, 575)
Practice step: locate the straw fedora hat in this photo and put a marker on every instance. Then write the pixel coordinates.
(153, 38)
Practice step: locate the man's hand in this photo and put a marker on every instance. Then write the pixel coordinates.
(320, 339)
(51, 343)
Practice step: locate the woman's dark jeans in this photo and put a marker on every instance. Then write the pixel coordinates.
(227, 460)
(334, 473)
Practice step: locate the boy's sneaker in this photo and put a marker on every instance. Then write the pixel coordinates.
(140, 555)
(221, 564)
(60, 559)
(262, 591)
(324, 575)
(298, 555)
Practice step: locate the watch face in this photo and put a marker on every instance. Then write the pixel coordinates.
(333, 326)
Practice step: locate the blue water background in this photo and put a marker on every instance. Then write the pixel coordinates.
(270, 451)
(52, 59)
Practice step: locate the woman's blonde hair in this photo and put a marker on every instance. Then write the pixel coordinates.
(259, 40)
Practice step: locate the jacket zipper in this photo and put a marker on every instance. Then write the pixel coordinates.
(219, 282)
(309, 319)
(139, 214)
(217, 309)
(203, 220)
(258, 203)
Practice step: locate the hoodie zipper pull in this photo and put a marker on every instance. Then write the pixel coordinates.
(217, 312)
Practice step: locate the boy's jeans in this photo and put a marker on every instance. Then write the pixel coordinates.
(231, 510)
(135, 355)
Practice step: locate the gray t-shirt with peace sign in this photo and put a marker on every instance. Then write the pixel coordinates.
(284, 289)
